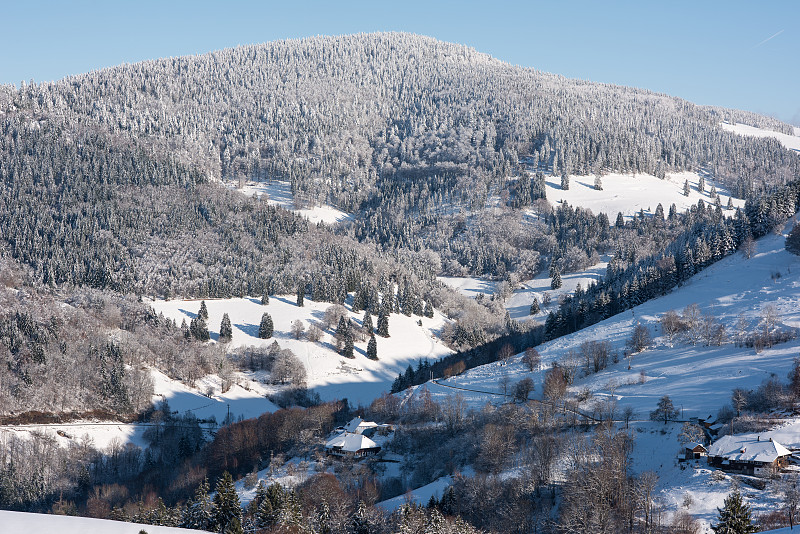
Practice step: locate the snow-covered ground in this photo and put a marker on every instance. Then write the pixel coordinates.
(360, 380)
(279, 192)
(245, 399)
(629, 193)
(19, 522)
(519, 303)
(420, 496)
(791, 142)
(698, 379)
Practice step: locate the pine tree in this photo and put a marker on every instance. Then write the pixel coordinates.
(322, 518)
(265, 299)
(266, 328)
(342, 329)
(203, 313)
(620, 222)
(300, 294)
(347, 350)
(225, 329)
(793, 240)
(598, 183)
(734, 516)
(535, 306)
(564, 181)
(187, 334)
(198, 513)
(686, 188)
(428, 312)
(372, 348)
(359, 523)
(198, 329)
(555, 283)
(383, 324)
(366, 323)
(701, 184)
(234, 526)
(226, 504)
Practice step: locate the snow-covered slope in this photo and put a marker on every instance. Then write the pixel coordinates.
(698, 379)
(628, 193)
(791, 142)
(334, 377)
(519, 303)
(22, 522)
(279, 192)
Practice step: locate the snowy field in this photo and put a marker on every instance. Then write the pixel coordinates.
(519, 303)
(698, 379)
(22, 522)
(629, 193)
(692, 375)
(279, 192)
(245, 399)
(792, 142)
(360, 380)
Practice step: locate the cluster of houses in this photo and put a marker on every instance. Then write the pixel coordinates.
(354, 440)
(741, 454)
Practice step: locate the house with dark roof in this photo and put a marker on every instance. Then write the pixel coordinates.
(694, 451)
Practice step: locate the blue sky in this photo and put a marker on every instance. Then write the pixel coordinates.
(735, 54)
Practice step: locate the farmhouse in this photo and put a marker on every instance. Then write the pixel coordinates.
(352, 445)
(693, 451)
(352, 442)
(747, 455)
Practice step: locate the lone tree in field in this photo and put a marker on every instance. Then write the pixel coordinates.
(531, 359)
(301, 290)
(203, 313)
(265, 299)
(372, 348)
(225, 329)
(640, 339)
(793, 240)
(555, 283)
(383, 324)
(266, 328)
(298, 328)
(366, 323)
(665, 410)
(734, 516)
(535, 306)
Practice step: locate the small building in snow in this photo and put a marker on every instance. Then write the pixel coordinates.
(746, 455)
(358, 426)
(694, 450)
(351, 445)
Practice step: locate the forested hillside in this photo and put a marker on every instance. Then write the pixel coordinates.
(413, 135)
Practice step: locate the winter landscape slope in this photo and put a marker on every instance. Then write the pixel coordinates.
(699, 379)
(333, 376)
(19, 522)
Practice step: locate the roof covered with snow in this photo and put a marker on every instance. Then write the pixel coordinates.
(351, 442)
(747, 449)
(358, 425)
